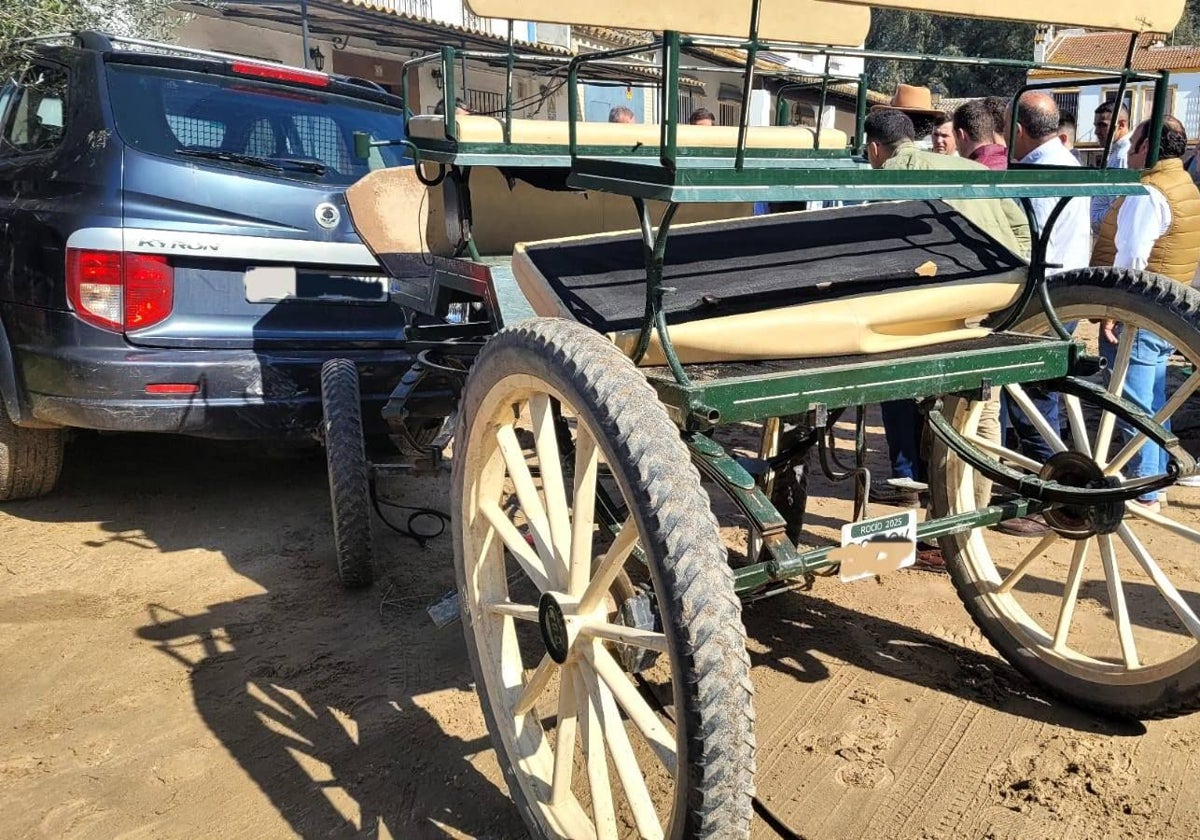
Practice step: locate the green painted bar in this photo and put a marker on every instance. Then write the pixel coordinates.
(749, 578)
(765, 394)
(639, 180)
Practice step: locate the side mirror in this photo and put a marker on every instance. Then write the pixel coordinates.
(362, 145)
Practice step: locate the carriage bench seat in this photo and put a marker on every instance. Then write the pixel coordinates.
(867, 279)
(481, 130)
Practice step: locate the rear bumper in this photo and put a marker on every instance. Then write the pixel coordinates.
(243, 394)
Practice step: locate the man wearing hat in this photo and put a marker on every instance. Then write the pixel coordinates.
(917, 104)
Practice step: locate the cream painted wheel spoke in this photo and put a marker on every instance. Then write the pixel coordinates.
(1116, 386)
(628, 771)
(1116, 598)
(1004, 453)
(535, 685)
(1079, 433)
(545, 440)
(1166, 412)
(524, 612)
(531, 500)
(514, 541)
(1177, 528)
(583, 511)
(1066, 610)
(1161, 581)
(626, 635)
(564, 742)
(596, 761)
(644, 718)
(1023, 567)
(609, 565)
(1048, 432)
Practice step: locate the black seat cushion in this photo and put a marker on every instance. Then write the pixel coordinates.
(768, 262)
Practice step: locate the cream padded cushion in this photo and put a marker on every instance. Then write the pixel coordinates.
(478, 129)
(394, 213)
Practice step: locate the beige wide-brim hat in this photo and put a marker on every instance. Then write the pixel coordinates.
(913, 100)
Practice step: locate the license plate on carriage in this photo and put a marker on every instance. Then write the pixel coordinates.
(877, 546)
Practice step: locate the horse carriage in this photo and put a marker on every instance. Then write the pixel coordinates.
(591, 359)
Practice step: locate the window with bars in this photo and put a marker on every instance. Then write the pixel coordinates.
(484, 102)
(1067, 102)
(731, 113)
(686, 106)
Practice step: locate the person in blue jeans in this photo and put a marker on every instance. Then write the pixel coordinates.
(1157, 232)
(902, 424)
(1145, 387)
(1037, 143)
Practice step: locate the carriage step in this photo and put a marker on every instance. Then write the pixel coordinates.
(732, 392)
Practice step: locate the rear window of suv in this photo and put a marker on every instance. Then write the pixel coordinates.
(296, 133)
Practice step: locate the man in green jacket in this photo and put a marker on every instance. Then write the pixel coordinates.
(890, 136)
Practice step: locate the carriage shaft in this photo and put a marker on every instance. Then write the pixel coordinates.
(787, 563)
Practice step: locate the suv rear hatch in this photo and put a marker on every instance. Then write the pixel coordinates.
(236, 176)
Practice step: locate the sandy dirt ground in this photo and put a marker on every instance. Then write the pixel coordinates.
(176, 660)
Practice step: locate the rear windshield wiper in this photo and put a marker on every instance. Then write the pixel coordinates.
(231, 157)
(301, 165)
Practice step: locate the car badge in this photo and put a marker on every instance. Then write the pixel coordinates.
(327, 215)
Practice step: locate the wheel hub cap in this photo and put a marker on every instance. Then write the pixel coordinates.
(1079, 522)
(553, 625)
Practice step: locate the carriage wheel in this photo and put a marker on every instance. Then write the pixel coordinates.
(534, 577)
(349, 476)
(1108, 622)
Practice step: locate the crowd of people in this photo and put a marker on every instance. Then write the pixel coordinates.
(1157, 232)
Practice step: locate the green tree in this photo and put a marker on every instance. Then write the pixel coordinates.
(21, 19)
(935, 35)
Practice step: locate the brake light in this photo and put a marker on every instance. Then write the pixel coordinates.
(149, 290)
(119, 292)
(280, 74)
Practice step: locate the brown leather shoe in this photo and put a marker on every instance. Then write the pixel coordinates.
(930, 560)
(1025, 526)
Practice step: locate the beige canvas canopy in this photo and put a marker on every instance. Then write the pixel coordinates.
(1136, 16)
(801, 21)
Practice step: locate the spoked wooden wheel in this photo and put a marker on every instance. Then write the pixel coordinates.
(589, 750)
(1108, 621)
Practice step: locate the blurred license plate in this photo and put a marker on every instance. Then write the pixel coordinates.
(270, 284)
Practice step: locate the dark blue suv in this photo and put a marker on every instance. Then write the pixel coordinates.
(175, 251)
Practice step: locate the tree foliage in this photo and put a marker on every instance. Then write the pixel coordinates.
(934, 35)
(915, 32)
(153, 19)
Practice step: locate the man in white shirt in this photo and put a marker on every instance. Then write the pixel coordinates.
(1118, 155)
(1070, 247)
(1157, 232)
(1037, 142)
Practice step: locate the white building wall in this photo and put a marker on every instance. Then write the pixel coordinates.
(838, 65)
(1186, 105)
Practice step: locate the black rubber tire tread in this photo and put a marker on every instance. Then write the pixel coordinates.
(30, 460)
(349, 476)
(1160, 300)
(694, 583)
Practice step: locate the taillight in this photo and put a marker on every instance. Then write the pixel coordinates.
(149, 290)
(119, 292)
(279, 73)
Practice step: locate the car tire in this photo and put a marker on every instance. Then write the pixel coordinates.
(30, 459)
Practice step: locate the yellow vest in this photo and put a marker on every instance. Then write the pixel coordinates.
(1176, 254)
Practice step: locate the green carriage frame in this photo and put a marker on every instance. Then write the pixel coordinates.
(698, 398)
